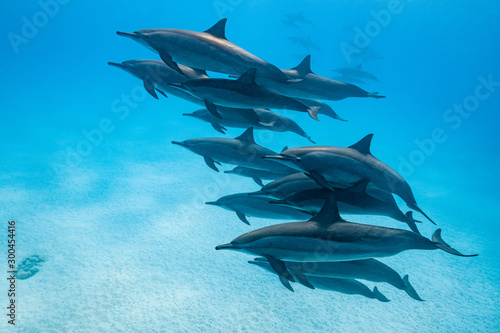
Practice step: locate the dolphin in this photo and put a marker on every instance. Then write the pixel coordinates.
(209, 50)
(242, 93)
(289, 23)
(305, 42)
(241, 150)
(367, 269)
(348, 79)
(299, 18)
(265, 120)
(343, 167)
(353, 200)
(309, 85)
(328, 238)
(255, 206)
(345, 286)
(356, 72)
(155, 75)
(256, 174)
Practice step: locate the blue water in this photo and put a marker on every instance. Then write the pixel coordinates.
(127, 241)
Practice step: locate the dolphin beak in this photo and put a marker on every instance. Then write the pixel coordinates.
(188, 114)
(127, 34)
(227, 247)
(214, 203)
(115, 64)
(182, 144)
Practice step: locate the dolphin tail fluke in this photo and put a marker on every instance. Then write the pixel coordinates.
(379, 296)
(313, 112)
(258, 181)
(279, 267)
(410, 290)
(227, 247)
(415, 207)
(441, 244)
(411, 222)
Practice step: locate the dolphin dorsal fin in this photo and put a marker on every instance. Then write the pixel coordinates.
(304, 67)
(249, 76)
(247, 136)
(329, 213)
(363, 145)
(359, 66)
(219, 29)
(359, 187)
(284, 148)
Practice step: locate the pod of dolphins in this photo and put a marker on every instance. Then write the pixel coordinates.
(312, 184)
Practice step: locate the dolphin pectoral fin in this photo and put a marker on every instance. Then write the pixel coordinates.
(219, 128)
(258, 181)
(279, 267)
(319, 179)
(167, 58)
(211, 163)
(242, 217)
(410, 290)
(411, 222)
(378, 295)
(212, 109)
(286, 283)
(302, 279)
(161, 92)
(441, 244)
(150, 88)
(313, 112)
(415, 207)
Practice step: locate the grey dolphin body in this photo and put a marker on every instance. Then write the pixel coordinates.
(353, 200)
(255, 206)
(328, 238)
(266, 120)
(242, 93)
(367, 269)
(156, 76)
(209, 50)
(343, 167)
(238, 151)
(356, 72)
(313, 86)
(345, 286)
(256, 174)
(283, 187)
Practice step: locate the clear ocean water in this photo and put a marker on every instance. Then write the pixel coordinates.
(127, 240)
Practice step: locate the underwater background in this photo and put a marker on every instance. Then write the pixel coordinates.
(126, 239)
